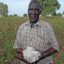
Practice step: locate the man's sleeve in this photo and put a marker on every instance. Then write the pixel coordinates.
(53, 39)
(18, 39)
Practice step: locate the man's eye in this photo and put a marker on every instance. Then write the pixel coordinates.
(37, 9)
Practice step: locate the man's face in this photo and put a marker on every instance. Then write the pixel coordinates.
(33, 12)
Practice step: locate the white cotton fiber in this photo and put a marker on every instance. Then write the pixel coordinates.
(30, 54)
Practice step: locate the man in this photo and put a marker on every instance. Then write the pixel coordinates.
(38, 34)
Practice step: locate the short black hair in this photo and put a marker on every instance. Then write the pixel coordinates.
(37, 3)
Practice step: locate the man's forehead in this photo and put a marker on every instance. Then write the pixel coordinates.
(34, 5)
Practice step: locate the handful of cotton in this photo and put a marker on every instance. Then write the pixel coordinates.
(31, 55)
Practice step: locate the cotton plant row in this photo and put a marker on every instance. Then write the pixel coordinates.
(30, 54)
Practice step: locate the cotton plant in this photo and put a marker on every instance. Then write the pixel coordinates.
(30, 54)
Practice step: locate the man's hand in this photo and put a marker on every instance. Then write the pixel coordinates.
(19, 50)
(40, 57)
(20, 56)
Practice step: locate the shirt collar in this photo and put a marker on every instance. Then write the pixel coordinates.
(37, 24)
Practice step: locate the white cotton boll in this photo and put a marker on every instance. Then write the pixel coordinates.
(30, 54)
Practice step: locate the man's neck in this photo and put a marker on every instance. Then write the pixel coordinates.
(33, 22)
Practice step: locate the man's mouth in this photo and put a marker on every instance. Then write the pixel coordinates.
(33, 17)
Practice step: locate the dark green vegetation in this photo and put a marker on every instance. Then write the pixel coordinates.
(49, 6)
(3, 9)
(8, 30)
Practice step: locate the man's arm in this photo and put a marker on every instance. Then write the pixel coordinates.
(50, 51)
(47, 53)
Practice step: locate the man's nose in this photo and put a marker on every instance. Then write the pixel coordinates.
(33, 12)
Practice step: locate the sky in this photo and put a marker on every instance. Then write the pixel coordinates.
(20, 7)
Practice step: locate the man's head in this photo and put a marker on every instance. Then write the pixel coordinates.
(34, 11)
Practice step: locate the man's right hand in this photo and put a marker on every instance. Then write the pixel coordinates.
(20, 56)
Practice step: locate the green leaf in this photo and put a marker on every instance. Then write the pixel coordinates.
(53, 57)
(59, 61)
(10, 56)
(2, 59)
